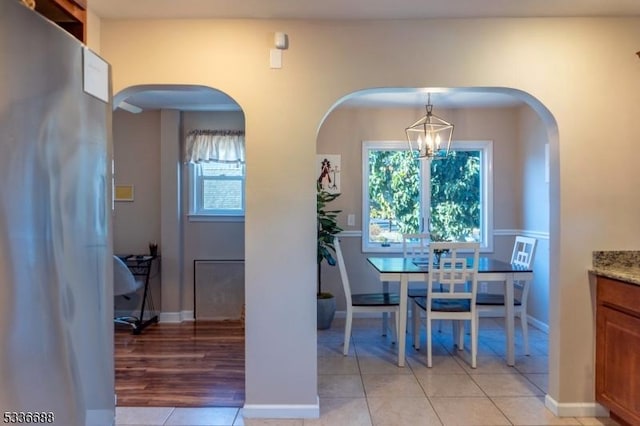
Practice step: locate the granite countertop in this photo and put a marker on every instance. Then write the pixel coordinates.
(619, 265)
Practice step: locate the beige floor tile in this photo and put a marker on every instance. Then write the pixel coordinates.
(240, 421)
(506, 385)
(465, 411)
(340, 386)
(334, 349)
(437, 349)
(440, 365)
(373, 365)
(540, 380)
(532, 364)
(211, 416)
(371, 334)
(381, 385)
(342, 412)
(377, 350)
(530, 411)
(449, 385)
(487, 365)
(338, 365)
(142, 415)
(402, 411)
(597, 421)
(333, 335)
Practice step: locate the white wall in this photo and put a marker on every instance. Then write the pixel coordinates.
(535, 207)
(567, 66)
(136, 152)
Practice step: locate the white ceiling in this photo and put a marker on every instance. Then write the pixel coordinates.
(360, 9)
(207, 99)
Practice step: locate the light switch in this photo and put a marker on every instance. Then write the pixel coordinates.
(351, 220)
(275, 58)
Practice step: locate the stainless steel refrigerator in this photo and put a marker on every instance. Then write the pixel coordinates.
(56, 303)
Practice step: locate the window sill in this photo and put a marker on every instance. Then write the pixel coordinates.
(208, 218)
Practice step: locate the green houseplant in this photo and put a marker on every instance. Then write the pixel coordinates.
(327, 229)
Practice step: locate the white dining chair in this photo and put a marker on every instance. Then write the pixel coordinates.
(492, 304)
(415, 246)
(368, 303)
(451, 294)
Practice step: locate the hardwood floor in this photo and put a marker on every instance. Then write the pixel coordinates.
(197, 364)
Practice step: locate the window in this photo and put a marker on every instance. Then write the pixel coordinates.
(216, 174)
(450, 197)
(217, 188)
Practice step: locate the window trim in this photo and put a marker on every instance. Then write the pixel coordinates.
(486, 189)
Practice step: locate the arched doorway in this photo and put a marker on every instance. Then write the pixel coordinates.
(521, 131)
(194, 211)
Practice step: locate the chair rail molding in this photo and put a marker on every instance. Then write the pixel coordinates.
(524, 232)
(496, 233)
(351, 234)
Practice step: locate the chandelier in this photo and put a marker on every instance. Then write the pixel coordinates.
(430, 137)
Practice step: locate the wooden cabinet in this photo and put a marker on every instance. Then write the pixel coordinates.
(69, 14)
(618, 349)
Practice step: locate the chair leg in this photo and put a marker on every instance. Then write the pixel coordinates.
(347, 332)
(385, 323)
(429, 345)
(460, 334)
(413, 310)
(525, 331)
(416, 326)
(474, 341)
(394, 330)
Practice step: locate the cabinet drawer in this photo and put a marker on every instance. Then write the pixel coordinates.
(619, 295)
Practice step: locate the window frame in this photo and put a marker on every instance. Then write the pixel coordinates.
(486, 190)
(197, 213)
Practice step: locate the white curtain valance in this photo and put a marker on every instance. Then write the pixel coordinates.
(225, 146)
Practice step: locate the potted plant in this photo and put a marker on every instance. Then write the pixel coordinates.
(327, 229)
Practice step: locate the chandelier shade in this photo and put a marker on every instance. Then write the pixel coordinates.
(430, 137)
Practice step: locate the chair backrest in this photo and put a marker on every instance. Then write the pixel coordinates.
(415, 245)
(455, 275)
(524, 250)
(343, 271)
(123, 280)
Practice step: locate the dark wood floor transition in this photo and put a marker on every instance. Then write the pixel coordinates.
(196, 364)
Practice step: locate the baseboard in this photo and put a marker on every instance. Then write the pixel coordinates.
(575, 409)
(176, 317)
(277, 411)
(534, 322)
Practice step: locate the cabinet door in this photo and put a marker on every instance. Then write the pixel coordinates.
(618, 363)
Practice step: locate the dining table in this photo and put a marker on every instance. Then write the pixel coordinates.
(405, 270)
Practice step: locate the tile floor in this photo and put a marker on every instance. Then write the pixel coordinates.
(356, 390)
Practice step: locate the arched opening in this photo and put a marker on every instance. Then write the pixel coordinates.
(194, 212)
(523, 201)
